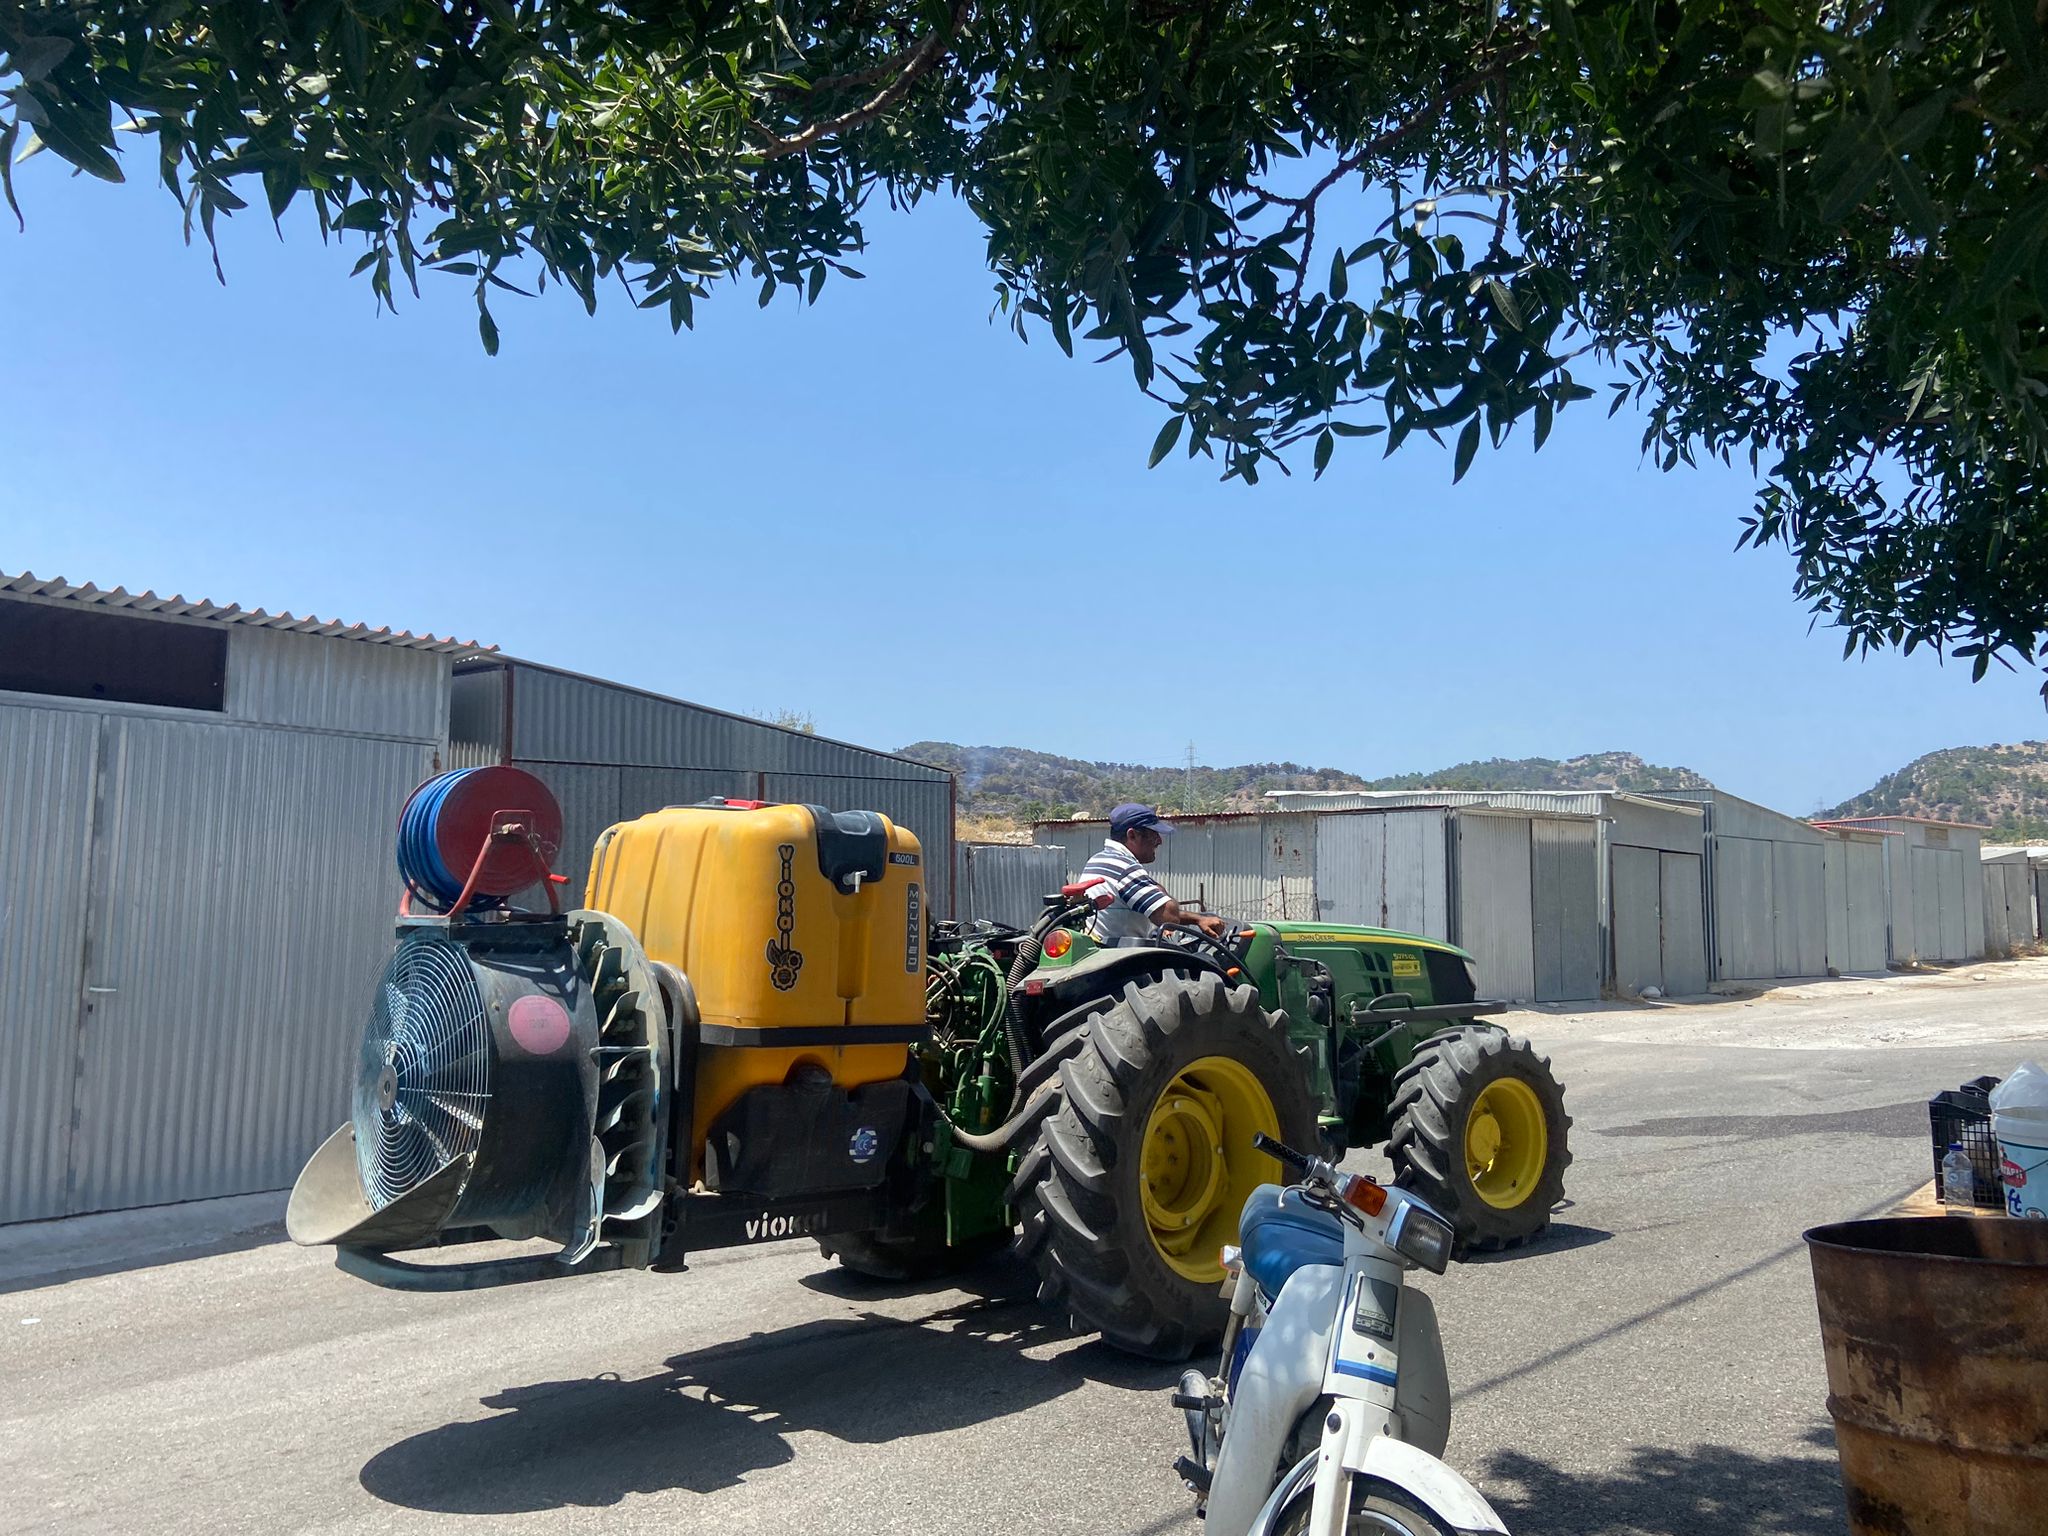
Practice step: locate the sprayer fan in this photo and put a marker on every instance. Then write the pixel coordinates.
(424, 1080)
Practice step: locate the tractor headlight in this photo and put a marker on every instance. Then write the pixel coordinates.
(1422, 1237)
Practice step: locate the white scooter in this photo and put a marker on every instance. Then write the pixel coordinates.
(1331, 1403)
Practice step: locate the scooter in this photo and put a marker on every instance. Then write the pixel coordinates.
(1331, 1404)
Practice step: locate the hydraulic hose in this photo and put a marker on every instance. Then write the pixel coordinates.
(999, 1139)
(1029, 952)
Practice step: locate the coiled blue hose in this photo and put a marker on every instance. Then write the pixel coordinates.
(419, 846)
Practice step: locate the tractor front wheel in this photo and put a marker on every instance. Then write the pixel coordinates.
(1138, 1177)
(1479, 1132)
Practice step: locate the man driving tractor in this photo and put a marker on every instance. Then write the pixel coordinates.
(1138, 903)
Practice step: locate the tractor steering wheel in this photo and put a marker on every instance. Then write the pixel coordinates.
(1226, 957)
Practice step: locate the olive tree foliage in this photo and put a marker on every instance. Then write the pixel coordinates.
(1812, 234)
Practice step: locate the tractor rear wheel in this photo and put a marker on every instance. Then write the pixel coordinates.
(1137, 1178)
(1479, 1132)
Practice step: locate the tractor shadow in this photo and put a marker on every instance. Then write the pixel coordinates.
(1709, 1490)
(715, 1415)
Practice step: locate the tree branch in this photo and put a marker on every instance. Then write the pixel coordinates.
(1430, 112)
(910, 68)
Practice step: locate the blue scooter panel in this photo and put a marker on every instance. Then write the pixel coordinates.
(1280, 1232)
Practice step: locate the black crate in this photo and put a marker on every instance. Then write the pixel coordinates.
(1964, 1114)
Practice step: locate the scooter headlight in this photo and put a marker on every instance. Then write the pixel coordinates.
(1422, 1237)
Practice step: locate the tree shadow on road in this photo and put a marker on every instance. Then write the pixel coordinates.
(1710, 1490)
(717, 1414)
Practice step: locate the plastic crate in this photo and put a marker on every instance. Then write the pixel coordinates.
(1964, 1114)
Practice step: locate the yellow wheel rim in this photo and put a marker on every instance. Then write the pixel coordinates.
(1196, 1163)
(1506, 1143)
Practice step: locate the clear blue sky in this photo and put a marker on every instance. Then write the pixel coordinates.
(888, 513)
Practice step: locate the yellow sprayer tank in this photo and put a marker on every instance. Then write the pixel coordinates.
(801, 931)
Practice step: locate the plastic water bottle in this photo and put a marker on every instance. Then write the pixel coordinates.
(1958, 1178)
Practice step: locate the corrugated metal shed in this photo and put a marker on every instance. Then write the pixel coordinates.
(1935, 879)
(1765, 884)
(194, 904)
(1007, 882)
(611, 753)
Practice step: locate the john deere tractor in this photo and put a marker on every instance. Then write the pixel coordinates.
(753, 1030)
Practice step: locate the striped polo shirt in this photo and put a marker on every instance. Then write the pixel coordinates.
(1137, 895)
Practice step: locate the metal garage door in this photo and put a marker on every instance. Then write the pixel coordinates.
(1745, 937)
(1494, 916)
(1565, 902)
(46, 779)
(1638, 920)
(1685, 927)
(1938, 926)
(1659, 937)
(1799, 924)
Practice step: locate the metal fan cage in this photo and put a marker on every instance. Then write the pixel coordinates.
(425, 1079)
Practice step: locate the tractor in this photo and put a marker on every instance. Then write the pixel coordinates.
(755, 1030)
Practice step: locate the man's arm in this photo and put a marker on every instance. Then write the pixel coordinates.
(1173, 912)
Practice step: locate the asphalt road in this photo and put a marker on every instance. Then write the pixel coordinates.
(1654, 1367)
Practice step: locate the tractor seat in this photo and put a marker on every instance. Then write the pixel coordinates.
(1280, 1232)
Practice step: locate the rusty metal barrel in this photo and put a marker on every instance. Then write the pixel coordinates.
(1936, 1333)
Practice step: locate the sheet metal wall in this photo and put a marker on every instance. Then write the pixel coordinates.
(47, 759)
(612, 753)
(280, 678)
(1386, 870)
(1007, 882)
(212, 903)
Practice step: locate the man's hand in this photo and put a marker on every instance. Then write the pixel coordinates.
(1173, 912)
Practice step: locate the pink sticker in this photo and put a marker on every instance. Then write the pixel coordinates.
(539, 1024)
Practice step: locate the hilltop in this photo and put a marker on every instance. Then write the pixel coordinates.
(2004, 786)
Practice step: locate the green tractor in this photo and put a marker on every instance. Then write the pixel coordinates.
(1103, 1102)
(753, 1031)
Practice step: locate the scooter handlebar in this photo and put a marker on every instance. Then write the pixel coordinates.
(1284, 1153)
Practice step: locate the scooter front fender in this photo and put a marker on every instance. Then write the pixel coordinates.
(1352, 1449)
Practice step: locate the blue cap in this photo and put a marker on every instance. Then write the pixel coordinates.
(1126, 818)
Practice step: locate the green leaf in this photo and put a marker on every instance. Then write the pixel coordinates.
(1504, 301)
(1340, 276)
(488, 329)
(1468, 445)
(34, 59)
(365, 214)
(1325, 446)
(1162, 445)
(1352, 429)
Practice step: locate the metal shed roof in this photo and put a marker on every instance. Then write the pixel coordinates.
(36, 589)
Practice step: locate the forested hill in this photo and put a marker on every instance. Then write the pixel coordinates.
(2004, 786)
